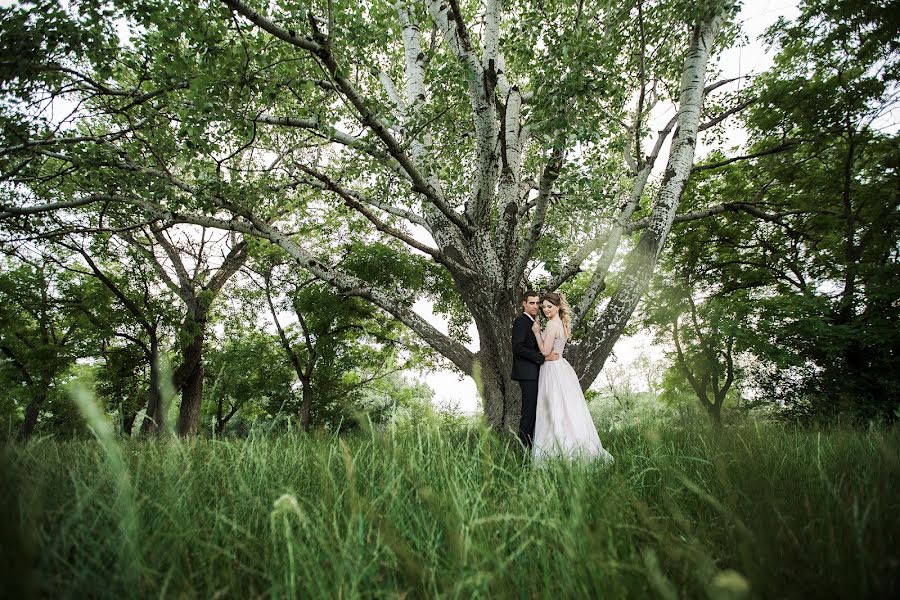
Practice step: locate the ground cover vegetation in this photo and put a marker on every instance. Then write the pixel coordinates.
(758, 510)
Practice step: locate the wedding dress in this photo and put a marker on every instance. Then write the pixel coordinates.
(563, 425)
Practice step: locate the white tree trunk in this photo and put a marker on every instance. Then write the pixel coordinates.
(641, 262)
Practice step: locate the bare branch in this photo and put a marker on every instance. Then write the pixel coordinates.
(339, 137)
(351, 200)
(179, 290)
(549, 176)
(722, 208)
(7, 211)
(722, 82)
(288, 35)
(731, 111)
(67, 140)
(783, 147)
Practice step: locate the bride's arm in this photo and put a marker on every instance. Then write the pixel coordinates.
(546, 345)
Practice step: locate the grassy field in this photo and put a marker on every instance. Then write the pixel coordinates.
(754, 511)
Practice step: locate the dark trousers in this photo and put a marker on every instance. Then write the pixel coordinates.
(529, 407)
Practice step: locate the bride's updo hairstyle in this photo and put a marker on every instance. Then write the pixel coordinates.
(565, 313)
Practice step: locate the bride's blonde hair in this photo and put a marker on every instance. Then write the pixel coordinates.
(565, 313)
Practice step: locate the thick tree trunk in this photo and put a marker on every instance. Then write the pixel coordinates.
(220, 422)
(220, 415)
(221, 418)
(493, 363)
(715, 412)
(31, 415)
(128, 423)
(190, 376)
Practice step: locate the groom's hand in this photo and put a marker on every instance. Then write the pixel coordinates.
(552, 356)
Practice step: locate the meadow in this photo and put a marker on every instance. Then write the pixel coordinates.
(754, 510)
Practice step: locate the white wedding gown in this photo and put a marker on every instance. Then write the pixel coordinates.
(563, 425)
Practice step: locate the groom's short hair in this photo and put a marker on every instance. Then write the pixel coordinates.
(528, 294)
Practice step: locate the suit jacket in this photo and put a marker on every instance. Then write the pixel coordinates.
(527, 357)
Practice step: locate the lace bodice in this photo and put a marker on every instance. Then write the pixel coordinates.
(559, 343)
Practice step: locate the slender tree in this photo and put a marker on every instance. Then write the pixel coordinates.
(336, 345)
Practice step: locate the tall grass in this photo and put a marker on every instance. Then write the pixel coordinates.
(757, 511)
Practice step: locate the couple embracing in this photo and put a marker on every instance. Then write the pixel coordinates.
(555, 418)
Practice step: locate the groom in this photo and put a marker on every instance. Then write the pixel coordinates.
(527, 360)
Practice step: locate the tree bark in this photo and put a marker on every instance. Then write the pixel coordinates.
(492, 366)
(714, 410)
(155, 419)
(128, 423)
(190, 374)
(31, 415)
(306, 403)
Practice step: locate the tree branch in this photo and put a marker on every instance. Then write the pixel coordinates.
(722, 208)
(348, 284)
(338, 137)
(351, 200)
(7, 211)
(731, 111)
(787, 145)
(364, 113)
(641, 261)
(448, 18)
(548, 177)
(287, 35)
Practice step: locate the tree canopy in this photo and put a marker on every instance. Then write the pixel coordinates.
(464, 150)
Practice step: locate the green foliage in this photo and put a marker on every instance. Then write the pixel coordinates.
(247, 372)
(807, 284)
(42, 333)
(338, 355)
(758, 510)
(397, 402)
(354, 344)
(123, 380)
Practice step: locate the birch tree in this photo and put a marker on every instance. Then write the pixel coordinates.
(508, 143)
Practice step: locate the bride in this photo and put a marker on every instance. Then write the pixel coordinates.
(563, 425)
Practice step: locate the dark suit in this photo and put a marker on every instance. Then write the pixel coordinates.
(527, 361)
